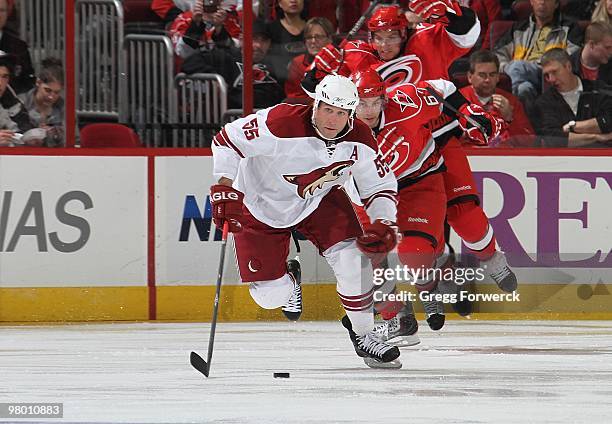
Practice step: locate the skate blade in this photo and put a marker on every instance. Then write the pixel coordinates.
(373, 363)
(404, 341)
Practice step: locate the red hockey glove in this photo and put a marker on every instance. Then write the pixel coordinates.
(489, 125)
(435, 9)
(226, 205)
(329, 59)
(378, 239)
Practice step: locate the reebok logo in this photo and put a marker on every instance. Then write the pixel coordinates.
(462, 188)
(416, 219)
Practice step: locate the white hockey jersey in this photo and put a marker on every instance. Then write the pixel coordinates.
(284, 169)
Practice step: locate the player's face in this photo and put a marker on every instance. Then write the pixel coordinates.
(484, 79)
(330, 120)
(316, 39)
(602, 51)
(609, 7)
(559, 75)
(387, 43)
(369, 110)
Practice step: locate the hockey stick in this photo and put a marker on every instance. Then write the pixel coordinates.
(361, 20)
(196, 360)
(297, 245)
(452, 108)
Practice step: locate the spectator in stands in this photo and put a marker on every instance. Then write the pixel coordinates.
(603, 12)
(169, 10)
(483, 77)
(23, 76)
(228, 62)
(287, 33)
(206, 26)
(318, 33)
(519, 50)
(580, 10)
(574, 112)
(594, 60)
(45, 104)
(14, 118)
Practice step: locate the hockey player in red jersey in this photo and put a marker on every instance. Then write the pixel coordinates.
(403, 55)
(399, 119)
(282, 169)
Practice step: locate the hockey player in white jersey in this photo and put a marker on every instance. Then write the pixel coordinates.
(282, 169)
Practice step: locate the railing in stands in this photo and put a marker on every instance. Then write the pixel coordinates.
(148, 95)
(202, 103)
(99, 28)
(42, 27)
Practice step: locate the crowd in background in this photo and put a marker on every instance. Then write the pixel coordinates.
(31, 105)
(504, 71)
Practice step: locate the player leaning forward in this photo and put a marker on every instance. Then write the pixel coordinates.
(282, 169)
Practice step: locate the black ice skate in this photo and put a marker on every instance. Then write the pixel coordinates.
(434, 312)
(499, 271)
(401, 330)
(293, 308)
(375, 353)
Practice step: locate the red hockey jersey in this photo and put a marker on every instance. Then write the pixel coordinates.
(406, 143)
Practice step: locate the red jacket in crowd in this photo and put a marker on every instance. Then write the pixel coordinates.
(519, 133)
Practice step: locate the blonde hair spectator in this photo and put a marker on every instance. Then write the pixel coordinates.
(603, 12)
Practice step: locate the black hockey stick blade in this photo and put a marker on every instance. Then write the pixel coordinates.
(199, 363)
(196, 360)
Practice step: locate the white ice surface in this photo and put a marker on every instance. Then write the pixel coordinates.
(470, 372)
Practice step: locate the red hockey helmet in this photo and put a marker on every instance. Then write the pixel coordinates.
(388, 18)
(369, 83)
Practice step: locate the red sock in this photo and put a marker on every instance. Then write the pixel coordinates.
(472, 225)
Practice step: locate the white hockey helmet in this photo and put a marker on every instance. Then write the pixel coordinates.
(339, 91)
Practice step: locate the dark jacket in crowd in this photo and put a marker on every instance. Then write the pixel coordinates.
(13, 115)
(605, 71)
(517, 42)
(267, 91)
(23, 78)
(595, 102)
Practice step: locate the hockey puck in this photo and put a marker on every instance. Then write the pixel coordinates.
(281, 375)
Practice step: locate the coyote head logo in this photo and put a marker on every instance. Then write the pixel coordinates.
(308, 183)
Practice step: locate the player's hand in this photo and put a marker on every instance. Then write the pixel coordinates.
(434, 9)
(378, 239)
(329, 59)
(503, 105)
(489, 125)
(226, 205)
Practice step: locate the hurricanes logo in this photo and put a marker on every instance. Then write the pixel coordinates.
(308, 183)
(400, 71)
(403, 100)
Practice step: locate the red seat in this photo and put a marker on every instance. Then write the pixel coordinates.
(521, 9)
(495, 31)
(139, 11)
(108, 135)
